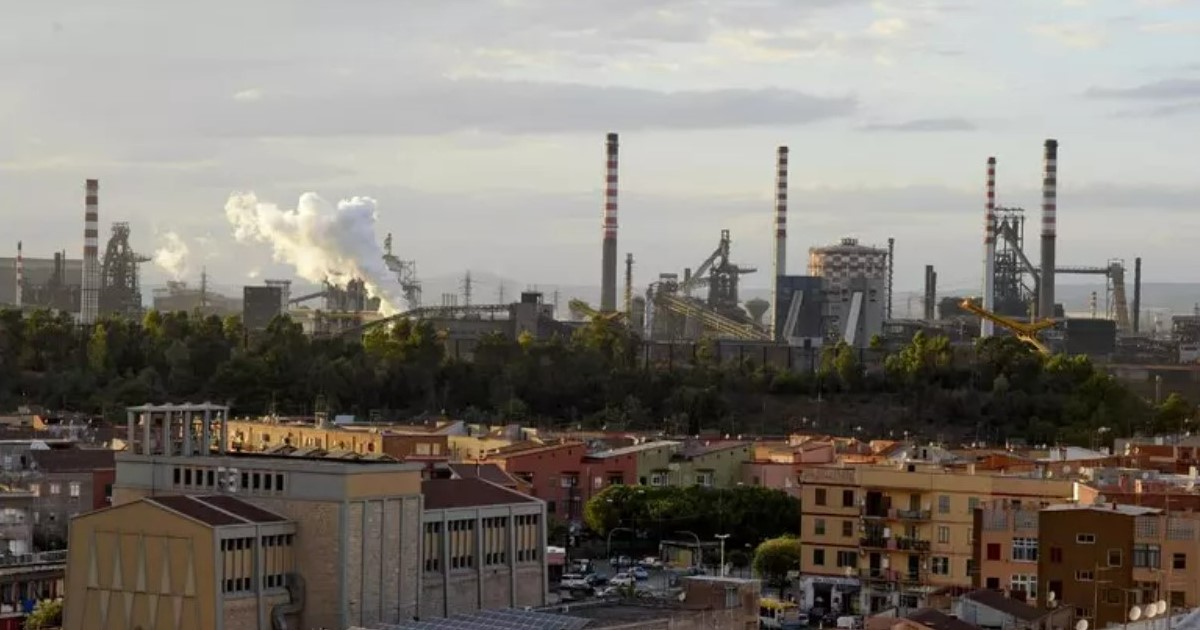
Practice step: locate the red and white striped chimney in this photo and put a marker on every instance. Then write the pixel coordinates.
(989, 249)
(1049, 229)
(89, 305)
(19, 292)
(608, 262)
(781, 202)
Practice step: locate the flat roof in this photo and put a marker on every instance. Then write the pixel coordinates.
(1119, 508)
(636, 448)
(277, 462)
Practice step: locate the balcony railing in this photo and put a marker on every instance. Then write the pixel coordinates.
(877, 542)
(912, 544)
(913, 515)
(878, 575)
(43, 557)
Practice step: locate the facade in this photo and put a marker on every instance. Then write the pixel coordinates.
(620, 466)
(483, 547)
(838, 264)
(16, 523)
(260, 305)
(67, 482)
(1145, 550)
(879, 536)
(783, 476)
(396, 442)
(988, 608)
(710, 465)
(555, 473)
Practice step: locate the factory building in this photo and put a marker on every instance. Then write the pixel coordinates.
(203, 537)
(177, 296)
(855, 282)
(260, 305)
(799, 310)
(48, 282)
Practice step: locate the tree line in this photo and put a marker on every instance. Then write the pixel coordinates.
(1000, 389)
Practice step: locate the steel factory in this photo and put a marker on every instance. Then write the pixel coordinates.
(846, 294)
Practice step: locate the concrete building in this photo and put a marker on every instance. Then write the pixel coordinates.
(16, 523)
(1139, 554)
(555, 474)
(855, 286)
(40, 275)
(67, 482)
(883, 536)
(217, 539)
(990, 609)
(397, 441)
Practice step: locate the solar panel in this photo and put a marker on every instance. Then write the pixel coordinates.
(503, 619)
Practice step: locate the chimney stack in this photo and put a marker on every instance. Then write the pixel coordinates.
(1049, 229)
(89, 304)
(19, 290)
(891, 272)
(1137, 293)
(989, 249)
(608, 271)
(930, 293)
(780, 261)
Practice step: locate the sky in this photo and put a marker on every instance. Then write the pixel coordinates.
(478, 126)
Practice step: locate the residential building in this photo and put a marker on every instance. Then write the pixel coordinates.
(624, 466)
(991, 609)
(882, 536)
(16, 522)
(711, 465)
(775, 475)
(1139, 554)
(398, 441)
(556, 473)
(488, 472)
(67, 482)
(233, 540)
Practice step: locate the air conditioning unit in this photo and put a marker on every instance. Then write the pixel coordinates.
(230, 479)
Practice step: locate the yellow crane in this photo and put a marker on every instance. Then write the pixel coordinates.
(1025, 331)
(582, 309)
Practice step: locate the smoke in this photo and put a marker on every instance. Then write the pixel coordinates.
(323, 242)
(173, 256)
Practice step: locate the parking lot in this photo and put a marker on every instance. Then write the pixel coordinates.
(657, 580)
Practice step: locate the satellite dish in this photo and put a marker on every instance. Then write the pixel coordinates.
(1051, 596)
(1162, 606)
(1082, 624)
(1135, 613)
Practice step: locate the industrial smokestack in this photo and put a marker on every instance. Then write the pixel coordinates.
(989, 249)
(629, 287)
(18, 293)
(780, 261)
(608, 263)
(1049, 229)
(89, 303)
(891, 271)
(1137, 293)
(930, 302)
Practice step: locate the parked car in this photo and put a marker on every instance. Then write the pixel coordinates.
(621, 561)
(597, 579)
(574, 581)
(622, 579)
(650, 562)
(639, 573)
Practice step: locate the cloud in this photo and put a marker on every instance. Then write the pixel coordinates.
(1162, 111)
(519, 107)
(248, 96)
(173, 256)
(1167, 89)
(888, 27)
(924, 125)
(1081, 36)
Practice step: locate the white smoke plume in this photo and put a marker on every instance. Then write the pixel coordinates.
(323, 242)
(173, 256)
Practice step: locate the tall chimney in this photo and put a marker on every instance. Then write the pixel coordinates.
(629, 287)
(891, 272)
(19, 291)
(989, 249)
(89, 303)
(930, 301)
(608, 263)
(780, 261)
(1049, 229)
(1137, 293)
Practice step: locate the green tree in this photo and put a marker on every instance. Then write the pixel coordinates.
(46, 614)
(774, 558)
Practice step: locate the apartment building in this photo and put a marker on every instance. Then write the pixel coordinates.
(303, 537)
(555, 473)
(67, 482)
(398, 441)
(1098, 559)
(882, 536)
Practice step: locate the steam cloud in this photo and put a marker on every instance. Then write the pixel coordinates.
(323, 242)
(173, 256)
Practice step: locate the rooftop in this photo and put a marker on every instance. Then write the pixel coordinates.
(73, 459)
(487, 472)
(215, 511)
(1119, 508)
(448, 494)
(504, 619)
(697, 449)
(630, 450)
(931, 618)
(1007, 605)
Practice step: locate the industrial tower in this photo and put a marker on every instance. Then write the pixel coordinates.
(608, 262)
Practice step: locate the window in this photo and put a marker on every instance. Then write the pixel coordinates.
(1114, 595)
(279, 482)
(1147, 556)
(187, 477)
(972, 504)
(73, 489)
(704, 479)
(731, 599)
(1085, 539)
(943, 504)
(972, 570)
(847, 529)
(943, 534)
(940, 565)
(1025, 550)
(993, 551)
(55, 488)
(176, 474)
(1084, 576)
(1115, 557)
(658, 479)
(820, 496)
(1179, 561)
(1025, 583)
(847, 559)
(616, 479)
(819, 557)
(819, 527)
(847, 498)
(1056, 555)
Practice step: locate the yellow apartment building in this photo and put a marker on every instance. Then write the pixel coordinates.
(884, 536)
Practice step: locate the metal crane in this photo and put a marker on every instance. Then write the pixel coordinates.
(1026, 332)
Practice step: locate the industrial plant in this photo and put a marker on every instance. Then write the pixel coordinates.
(846, 294)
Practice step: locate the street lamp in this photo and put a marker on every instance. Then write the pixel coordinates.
(722, 537)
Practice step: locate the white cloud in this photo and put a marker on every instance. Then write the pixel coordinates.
(888, 27)
(1082, 36)
(248, 96)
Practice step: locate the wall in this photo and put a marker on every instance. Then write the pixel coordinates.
(102, 487)
(164, 540)
(1058, 529)
(657, 460)
(605, 471)
(403, 446)
(724, 463)
(548, 469)
(777, 476)
(996, 528)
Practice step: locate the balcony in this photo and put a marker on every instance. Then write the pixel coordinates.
(878, 575)
(874, 511)
(876, 542)
(912, 544)
(913, 515)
